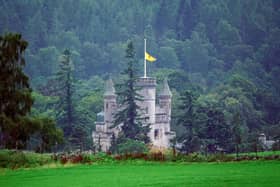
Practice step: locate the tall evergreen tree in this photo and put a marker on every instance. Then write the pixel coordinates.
(185, 19)
(64, 78)
(237, 132)
(216, 131)
(16, 127)
(186, 118)
(50, 135)
(113, 148)
(128, 116)
(15, 91)
(71, 117)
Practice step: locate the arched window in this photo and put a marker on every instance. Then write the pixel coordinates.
(156, 134)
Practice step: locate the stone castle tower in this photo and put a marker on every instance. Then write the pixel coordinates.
(157, 115)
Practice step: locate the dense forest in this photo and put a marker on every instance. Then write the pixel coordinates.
(221, 57)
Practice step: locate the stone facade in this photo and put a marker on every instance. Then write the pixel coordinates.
(265, 143)
(157, 115)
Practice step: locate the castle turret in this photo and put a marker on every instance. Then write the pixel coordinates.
(147, 86)
(110, 102)
(157, 116)
(165, 98)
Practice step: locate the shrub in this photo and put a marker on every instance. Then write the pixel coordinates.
(86, 159)
(4, 158)
(102, 158)
(132, 146)
(63, 159)
(132, 156)
(159, 156)
(220, 158)
(16, 159)
(78, 158)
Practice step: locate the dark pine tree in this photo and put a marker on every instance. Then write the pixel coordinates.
(16, 126)
(185, 19)
(15, 92)
(217, 131)
(65, 108)
(128, 116)
(237, 132)
(187, 118)
(113, 148)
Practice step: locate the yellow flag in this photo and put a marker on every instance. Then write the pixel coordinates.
(149, 57)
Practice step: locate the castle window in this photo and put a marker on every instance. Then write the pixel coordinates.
(106, 105)
(156, 134)
(114, 106)
(147, 118)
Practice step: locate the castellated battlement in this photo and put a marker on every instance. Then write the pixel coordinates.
(157, 116)
(146, 81)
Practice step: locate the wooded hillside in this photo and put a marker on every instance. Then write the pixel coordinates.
(225, 52)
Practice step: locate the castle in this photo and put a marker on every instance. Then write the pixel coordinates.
(158, 115)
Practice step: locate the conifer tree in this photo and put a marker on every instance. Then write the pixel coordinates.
(64, 78)
(113, 147)
(15, 92)
(128, 116)
(16, 127)
(187, 118)
(216, 131)
(237, 132)
(73, 120)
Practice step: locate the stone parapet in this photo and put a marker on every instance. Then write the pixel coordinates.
(146, 82)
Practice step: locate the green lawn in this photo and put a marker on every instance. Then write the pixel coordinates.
(254, 173)
(264, 153)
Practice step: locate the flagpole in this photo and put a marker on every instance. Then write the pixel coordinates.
(145, 71)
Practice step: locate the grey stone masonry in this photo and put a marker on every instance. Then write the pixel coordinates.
(158, 116)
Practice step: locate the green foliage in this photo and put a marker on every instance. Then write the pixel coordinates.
(205, 126)
(216, 133)
(79, 136)
(65, 91)
(18, 159)
(188, 118)
(131, 146)
(40, 68)
(15, 93)
(198, 58)
(227, 51)
(128, 116)
(50, 135)
(254, 143)
(114, 144)
(13, 159)
(43, 105)
(237, 131)
(15, 98)
(167, 55)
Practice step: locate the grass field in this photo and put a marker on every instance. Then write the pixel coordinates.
(253, 173)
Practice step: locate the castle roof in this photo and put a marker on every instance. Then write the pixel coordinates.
(166, 90)
(100, 117)
(109, 88)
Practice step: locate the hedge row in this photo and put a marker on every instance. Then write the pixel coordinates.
(18, 159)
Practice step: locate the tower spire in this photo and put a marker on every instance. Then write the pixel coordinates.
(109, 88)
(166, 90)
